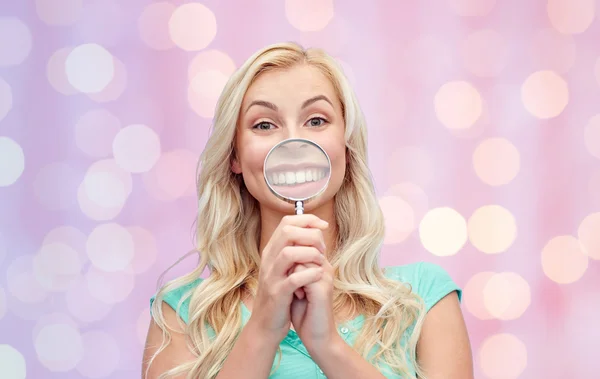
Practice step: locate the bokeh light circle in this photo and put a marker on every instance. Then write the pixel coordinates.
(472, 8)
(551, 50)
(592, 136)
(15, 41)
(192, 26)
(503, 356)
(173, 176)
(136, 148)
(110, 247)
(58, 12)
(110, 287)
(492, 229)
(55, 71)
(102, 194)
(70, 236)
(55, 186)
(443, 231)
(485, 53)
(21, 281)
(399, 219)
(589, 235)
(59, 347)
(506, 295)
(473, 295)
(98, 344)
(12, 163)
(564, 259)
(6, 100)
(458, 105)
(82, 305)
(204, 91)
(115, 88)
(12, 362)
(95, 132)
(545, 94)
(145, 249)
(90, 68)
(492, 170)
(153, 25)
(309, 15)
(571, 16)
(412, 194)
(56, 266)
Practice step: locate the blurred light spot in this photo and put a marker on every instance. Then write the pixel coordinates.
(52, 318)
(58, 12)
(21, 281)
(98, 344)
(333, 38)
(458, 105)
(503, 356)
(115, 88)
(104, 190)
(309, 15)
(95, 132)
(15, 41)
(103, 22)
(55, 186)
(506, 296)
(564, 260)
(3, 307)
(472, 7)
(56, 266)
(145, 249)
(110, 287)
(571, 16)
(142, 325)
(399, 219)
(204, 91)
(136, 148)
(59, 347)
(492, 229)
(211, 60)
(545, 94)
(82, 305)
(153, 25)
(192, 26)
(496, 161)
(12, 363)
(592, 136)
(589, 235)
(110, 247)
(173, 176)
(443, 231)
(485, 53)
(473, 295)
(413, 195)
(90, 68)
(55, 71)
(6, 100)
(70, 236)
(12, 163)
(551, 50)
(411, 163)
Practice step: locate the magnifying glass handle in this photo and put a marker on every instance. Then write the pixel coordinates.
(299, 207)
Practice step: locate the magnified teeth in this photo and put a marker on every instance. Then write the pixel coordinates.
(290, 178)
(297, 177)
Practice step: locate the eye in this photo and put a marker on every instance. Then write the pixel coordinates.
(264, 125)
(315, 122)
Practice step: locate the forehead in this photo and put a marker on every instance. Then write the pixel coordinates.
(294, 84)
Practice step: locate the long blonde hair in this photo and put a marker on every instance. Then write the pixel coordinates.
(228, 231)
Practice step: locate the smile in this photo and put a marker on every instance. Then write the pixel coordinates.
(290, 178)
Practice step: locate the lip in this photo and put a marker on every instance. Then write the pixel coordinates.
(296, 167)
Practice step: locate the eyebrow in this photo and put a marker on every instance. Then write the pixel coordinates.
(306, 103)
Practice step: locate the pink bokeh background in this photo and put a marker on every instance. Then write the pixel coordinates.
(484, 144)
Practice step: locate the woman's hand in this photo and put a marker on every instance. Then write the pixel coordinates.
(312, 315)
(296, 240)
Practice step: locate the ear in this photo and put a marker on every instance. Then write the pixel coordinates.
(236, 168)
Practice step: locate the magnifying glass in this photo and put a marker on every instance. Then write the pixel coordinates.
(297, 170)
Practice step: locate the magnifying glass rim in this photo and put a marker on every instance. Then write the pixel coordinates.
(293, 200)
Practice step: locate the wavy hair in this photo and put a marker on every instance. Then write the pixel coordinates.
(228, 230)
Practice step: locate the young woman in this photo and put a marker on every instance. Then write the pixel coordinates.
(298, 296)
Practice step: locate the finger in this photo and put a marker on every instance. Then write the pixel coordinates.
(289, 228)
(292, 255)
(301, 279)
(304, 221)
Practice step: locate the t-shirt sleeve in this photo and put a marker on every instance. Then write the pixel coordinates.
(174, 299)
(433, 283)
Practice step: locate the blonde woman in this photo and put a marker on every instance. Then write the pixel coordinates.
(298, 296)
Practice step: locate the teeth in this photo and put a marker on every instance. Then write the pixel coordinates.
(298, 177)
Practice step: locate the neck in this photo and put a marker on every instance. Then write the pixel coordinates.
(270, 219)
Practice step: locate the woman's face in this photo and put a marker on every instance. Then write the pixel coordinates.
(299, 102)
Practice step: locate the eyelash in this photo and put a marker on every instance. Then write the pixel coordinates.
(314, 118)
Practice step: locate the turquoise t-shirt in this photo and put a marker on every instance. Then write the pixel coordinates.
(428, 280)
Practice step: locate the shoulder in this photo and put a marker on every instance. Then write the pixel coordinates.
(179, 298)
(428, 280)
